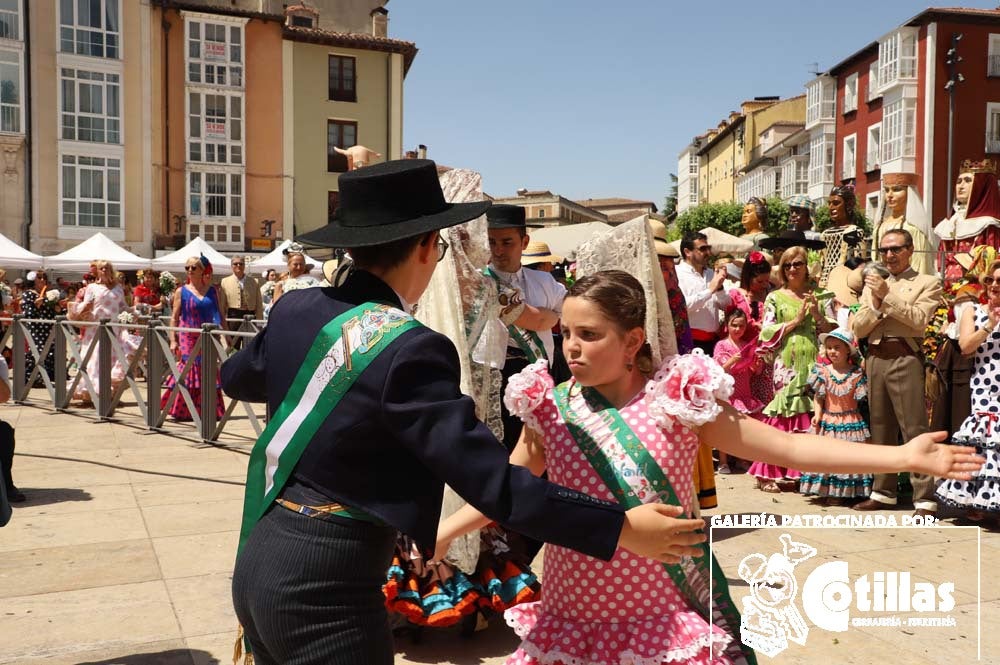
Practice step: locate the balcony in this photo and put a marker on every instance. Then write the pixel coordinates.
(993, 65)
(872, 161)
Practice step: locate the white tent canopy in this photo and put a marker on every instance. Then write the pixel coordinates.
(13, 255)
(275, 260)
(564, 240)
(96, 247)
(721, 242)
(174, 261)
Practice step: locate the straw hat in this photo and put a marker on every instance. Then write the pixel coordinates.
(329, 269)
(839, 282)
(663, 248)
(538, 252)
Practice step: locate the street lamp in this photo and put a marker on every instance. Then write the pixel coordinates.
(951, 60)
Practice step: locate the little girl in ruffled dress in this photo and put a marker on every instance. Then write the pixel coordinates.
(737, 354)
(625, 431)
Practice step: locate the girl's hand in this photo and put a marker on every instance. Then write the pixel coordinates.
(173, 347)
(654, 531)
(440, 550)
(925, 454)
(815, 423)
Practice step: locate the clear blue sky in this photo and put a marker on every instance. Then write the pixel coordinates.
(596, 99)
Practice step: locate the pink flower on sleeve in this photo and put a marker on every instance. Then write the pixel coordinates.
(687, 389)
(526, 390)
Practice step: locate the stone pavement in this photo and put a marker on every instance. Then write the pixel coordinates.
(124, 551)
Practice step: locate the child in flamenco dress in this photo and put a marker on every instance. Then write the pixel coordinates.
(624, 431)
(838, 385)
(737, 354)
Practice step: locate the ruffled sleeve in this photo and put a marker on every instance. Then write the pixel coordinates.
(817, 381)
(687, 389)
(527, 390)
(861, 389)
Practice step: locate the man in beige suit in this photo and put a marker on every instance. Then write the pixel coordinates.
(893, 314)
(240, 295)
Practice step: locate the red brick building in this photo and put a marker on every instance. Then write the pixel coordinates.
(885, 109)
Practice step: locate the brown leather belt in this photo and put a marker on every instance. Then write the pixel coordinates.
(890, 348)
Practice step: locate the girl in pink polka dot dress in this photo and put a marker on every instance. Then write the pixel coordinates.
(629, 610)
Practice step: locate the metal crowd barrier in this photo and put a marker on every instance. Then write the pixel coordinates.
(152, 358)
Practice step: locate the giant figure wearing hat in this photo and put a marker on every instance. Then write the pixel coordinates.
(975, 220)
(901, 208)
(368, 424)
(533, 340)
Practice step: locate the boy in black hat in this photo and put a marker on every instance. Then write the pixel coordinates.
(369, 423)
(530, 338)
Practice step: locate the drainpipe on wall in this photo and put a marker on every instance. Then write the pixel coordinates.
(26, 224)
(165, 26)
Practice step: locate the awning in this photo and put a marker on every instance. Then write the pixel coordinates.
(13, 255)
(96, 247)
(564, 240)
(174, 261)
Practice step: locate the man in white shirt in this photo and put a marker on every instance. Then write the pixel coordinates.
(531, 333)
(703, 290)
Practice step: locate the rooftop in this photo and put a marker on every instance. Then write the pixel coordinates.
(354, 40)
(615, 203)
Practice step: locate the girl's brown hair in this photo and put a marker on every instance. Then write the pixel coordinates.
(622, 301)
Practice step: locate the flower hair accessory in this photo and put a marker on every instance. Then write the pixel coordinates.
(687, 389)
(755, 258)
(526, 389)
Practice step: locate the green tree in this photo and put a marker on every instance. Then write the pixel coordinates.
(670, 202)
(821, 220)
(723, 216)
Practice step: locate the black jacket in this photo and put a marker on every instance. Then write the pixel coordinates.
(404, 429)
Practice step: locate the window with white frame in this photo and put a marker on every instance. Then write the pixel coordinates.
(215, 127)
(215, 194)
(899, 129)
(851, 93)
(874, 147)
(821, 150)
(871, 204)
(821, 100)
(693, 164)
(90, 27)
(91, 192)
(91, 106)
(215, 53)
(874, 86)
(849, 156)
(794, 175)
(10, 19)
(10, 91)
(897, 56)
(993, 127)
(993, 56)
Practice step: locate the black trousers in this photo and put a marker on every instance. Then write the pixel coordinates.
(233, 313)
(512, 425)
(6, 453)
(308, 591)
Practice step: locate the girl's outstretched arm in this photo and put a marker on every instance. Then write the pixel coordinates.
(745, 437)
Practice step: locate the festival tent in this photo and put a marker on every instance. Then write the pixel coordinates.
(721, 242)
(174, 261)
(97, 246)
(275, 260)
(13, 255)
(564, 240)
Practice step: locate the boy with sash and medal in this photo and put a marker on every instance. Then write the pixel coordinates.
(629, 431)
(368, 424)
(531, 334)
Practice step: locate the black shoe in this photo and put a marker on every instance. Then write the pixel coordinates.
(15, 495)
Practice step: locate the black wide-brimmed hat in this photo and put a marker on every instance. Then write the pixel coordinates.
(790, 238)
(504, 216)
(390, 201)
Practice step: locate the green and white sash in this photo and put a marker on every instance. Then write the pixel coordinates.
(527, 340)
(342, 350)
(635, 478)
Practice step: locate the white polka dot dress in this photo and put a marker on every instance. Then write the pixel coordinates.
(626, 610)
(981, 429)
